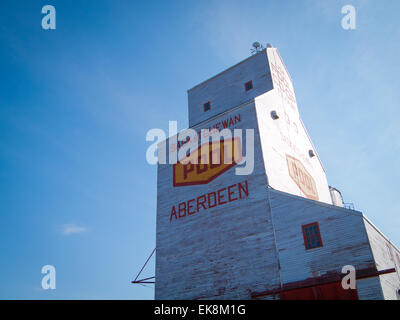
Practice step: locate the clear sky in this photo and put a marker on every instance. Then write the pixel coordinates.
(76, 103)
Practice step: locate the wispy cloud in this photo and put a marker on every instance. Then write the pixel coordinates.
(68, 229)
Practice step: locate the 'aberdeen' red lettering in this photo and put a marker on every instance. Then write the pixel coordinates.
(210, 200)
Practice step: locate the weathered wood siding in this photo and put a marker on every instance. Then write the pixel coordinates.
(343, 235)
(370, 289)
(386, 256)
(287, 137)
(222, 252)
(226, 90)
(254, 241)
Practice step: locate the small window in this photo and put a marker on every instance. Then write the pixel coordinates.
(312, 236)
(248, 85)
(207, 106)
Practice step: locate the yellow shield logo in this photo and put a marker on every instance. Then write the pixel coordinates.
(207, 162)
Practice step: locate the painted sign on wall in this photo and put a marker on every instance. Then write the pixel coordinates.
(301, 177)
(285, 142)
(207, 162)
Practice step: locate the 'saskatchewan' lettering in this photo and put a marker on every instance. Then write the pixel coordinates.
(210, 200)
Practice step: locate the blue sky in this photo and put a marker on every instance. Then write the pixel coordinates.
(76, 103)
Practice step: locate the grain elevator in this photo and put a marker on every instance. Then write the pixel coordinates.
(265, 225)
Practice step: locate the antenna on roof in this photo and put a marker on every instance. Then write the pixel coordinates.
(257, 47)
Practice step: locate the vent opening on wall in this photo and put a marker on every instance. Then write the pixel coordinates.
(312, 236)
(248, 85)
(274, 115)
(207, 106)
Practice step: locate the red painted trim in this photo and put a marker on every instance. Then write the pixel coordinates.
(251, 82)
(375, 274)
(304, 235)
(204, 106)
(360, 274)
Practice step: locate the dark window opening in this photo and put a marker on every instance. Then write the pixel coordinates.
(312, 236)
(207, 106)
(248, 85)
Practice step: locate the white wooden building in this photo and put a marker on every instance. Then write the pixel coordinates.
(279, 232)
